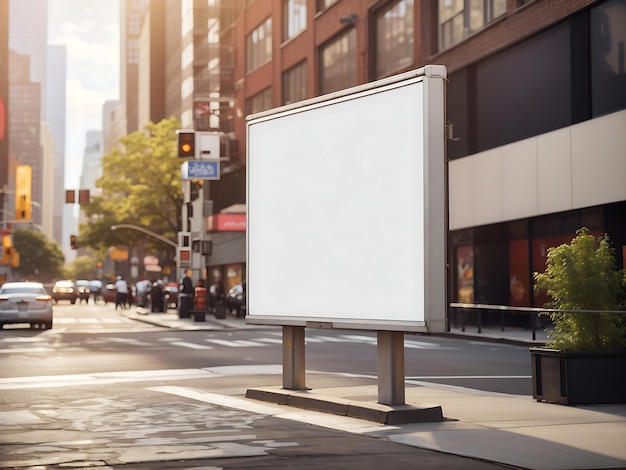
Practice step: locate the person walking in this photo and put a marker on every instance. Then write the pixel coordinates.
(157, 295)
(121, 298)
(186, 296)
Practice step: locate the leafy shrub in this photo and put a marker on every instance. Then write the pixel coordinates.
(583, 276)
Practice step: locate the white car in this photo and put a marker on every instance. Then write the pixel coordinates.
(25, 302)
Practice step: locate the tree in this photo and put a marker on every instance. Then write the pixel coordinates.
(40, 258)
(141, 185)
(583, 276)
(83, 267)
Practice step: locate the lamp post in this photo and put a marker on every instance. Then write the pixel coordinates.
(146, 231)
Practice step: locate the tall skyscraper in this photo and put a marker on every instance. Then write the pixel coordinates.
(4, 102)
(28, 41)
(56, 118)
(132, 13)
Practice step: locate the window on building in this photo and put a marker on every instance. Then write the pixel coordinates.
(338, 63)
(459, 19)
(262, 101)
(294, 18)
(259, 46)
(608, 73)
(394, 37)
(323, 4)
(294, 83)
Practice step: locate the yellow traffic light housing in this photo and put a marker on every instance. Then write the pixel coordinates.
(186, 143)
(23, 185)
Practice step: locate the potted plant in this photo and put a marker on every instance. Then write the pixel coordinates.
(585, 360)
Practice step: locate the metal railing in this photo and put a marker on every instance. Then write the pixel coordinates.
(533, 313)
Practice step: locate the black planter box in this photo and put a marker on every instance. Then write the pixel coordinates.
(578, 377)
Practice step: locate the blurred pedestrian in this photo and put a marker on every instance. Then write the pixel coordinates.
(121, 298)
(157, 303)
(186, 296)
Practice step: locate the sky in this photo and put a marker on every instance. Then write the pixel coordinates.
(90, 31)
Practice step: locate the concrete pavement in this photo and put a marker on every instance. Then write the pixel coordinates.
(506, 429)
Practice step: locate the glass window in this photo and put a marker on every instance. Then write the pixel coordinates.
(608, 72)
(394, 38)
(294, 18)
(323, 4)
(259, 46)
(262, 101)
(294, 83)
(459, 19)
(338, 63)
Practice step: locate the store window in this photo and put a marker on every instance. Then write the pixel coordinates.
(294, 83)
(259, 46)
(294, 18)
(459, 19)
(338, 63)
(260, 102)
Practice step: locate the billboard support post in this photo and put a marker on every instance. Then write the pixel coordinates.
(293, 358)
(390, 365)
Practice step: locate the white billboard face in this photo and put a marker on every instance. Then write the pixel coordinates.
(338, 210)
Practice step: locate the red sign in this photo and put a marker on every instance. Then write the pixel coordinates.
(226, 223)
(185, 255)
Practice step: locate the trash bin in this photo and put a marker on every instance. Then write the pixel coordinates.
(185, 307)
(199, 314)
(220, 310)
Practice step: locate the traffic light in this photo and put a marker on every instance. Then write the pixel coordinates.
(23, 185)
(7, 243)
(73, 240)
(186, 143)
(83, 196)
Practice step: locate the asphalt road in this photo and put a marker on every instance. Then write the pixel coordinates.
(94, 338)
(101, 390)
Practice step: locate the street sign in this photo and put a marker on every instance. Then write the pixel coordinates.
(200, 170)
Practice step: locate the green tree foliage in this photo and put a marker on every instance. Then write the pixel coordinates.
(141, 185)
(583, 276)
(40, 258)
(83, 267)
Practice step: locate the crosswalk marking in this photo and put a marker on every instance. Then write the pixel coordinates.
(230, 343)
(185, 344)
(235, 343)
(90, 320)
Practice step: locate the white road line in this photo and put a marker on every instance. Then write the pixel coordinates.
(270, 340)
(17, 383)
(184, 344)
(24, 350)
(235, 343)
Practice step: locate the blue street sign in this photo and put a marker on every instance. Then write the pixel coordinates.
(200, 170)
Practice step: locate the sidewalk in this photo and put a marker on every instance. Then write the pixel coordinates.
(506, 429)
(170, 320)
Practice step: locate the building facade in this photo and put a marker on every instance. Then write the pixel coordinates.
(536, 107)
(536, 98)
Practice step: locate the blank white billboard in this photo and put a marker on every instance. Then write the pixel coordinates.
(346, 218)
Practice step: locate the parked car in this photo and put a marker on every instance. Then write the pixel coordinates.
(84, 290)
(64, 290)
(25, 302)
(109, 293)
(235, 299)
